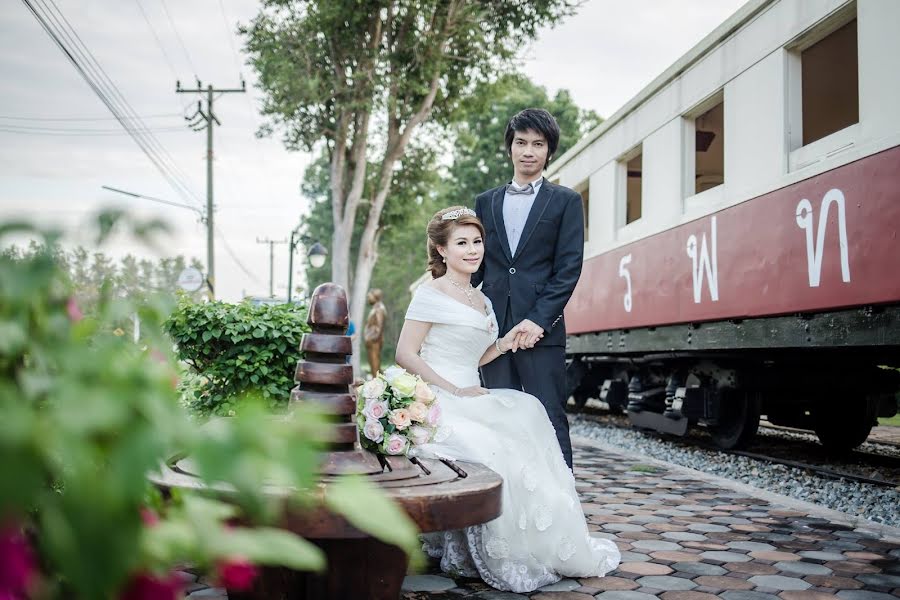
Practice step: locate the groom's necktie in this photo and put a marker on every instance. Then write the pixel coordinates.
(514, 190)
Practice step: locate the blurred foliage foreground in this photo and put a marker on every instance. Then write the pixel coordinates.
(87, 414)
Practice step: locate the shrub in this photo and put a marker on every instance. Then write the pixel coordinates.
(236, 349)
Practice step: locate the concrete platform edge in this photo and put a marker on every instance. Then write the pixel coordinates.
(891, 534)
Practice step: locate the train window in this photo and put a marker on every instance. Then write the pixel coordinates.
(829, 80)
(633, 188)
(585, 190)
(709, 148)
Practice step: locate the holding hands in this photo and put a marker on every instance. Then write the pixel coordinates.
(524, 335)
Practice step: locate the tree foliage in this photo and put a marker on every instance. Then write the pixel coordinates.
(359, 79)
(480, 160)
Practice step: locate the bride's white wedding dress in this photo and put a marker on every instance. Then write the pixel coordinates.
(541, 535)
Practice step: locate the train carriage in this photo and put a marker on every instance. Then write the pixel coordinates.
(741, 230)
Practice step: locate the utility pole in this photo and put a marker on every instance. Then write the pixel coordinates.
(204, 120)
(271, 244)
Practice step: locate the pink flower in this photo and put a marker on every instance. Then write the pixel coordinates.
(146, 586)
(374, 430)
(419, 435)
(400, 418)
(237, 574)
(149, 517)
(73, 311)
(17, 562)
(376, 409)
(434, 414)
(396, 444)
(418, 411)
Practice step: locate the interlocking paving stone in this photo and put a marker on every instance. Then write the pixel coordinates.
(881, 580)
(805, 595)
(779, 582)
(609, 583)
(563, 585)
(724, 556)
(568, 595)
(655, 544)
(624, 595)
(802, 568)
(427, 583)
(819, 555)
(666, 582)
(864, 595)
(745, 595)
(676, 526)
(698, 568)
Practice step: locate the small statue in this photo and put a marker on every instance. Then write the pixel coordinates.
(373, 335)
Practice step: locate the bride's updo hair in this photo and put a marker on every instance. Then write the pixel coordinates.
(439, 230)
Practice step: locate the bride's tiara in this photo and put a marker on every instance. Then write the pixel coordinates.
(455, 214)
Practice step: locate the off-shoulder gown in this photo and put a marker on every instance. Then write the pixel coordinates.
(541, 535)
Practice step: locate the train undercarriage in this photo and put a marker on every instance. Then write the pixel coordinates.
(833, 373)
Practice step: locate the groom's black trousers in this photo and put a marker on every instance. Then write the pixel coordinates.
(541, 372)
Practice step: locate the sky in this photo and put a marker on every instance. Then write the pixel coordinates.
(59, 144)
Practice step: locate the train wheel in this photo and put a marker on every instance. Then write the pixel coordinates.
(844, 426)
(738, 419)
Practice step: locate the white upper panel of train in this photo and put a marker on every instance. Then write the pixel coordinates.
(782, 91)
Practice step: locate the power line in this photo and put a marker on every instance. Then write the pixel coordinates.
(156, 116)
(184, 49)
(159, 44)
(71, 133)
(230, 35)
(90, 70)
(234, 257)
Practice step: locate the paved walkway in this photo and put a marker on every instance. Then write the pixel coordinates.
(686, 536)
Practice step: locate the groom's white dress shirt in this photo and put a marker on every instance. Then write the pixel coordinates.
(515, 212)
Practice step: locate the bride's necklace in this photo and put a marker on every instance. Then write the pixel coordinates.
(467, 292)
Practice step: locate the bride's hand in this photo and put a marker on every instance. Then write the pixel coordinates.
(508, 341)
(472, 390)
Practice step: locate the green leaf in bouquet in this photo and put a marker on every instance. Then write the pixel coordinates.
(366, 507)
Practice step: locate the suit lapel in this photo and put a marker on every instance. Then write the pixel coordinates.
(497, 212)
(537, 211)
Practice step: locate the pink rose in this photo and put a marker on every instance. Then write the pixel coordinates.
(400, 418)
(149, 517)
(396, 444)
(419, 435)
(418, 411)
(374, 430)
(237, 574)
(423, 392)
(376, 409)
(434, 414)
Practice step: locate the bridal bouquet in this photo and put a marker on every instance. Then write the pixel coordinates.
(395, 411)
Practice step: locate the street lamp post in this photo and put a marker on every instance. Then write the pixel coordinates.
(316, 255)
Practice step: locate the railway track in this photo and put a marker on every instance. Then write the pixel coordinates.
(793, 448)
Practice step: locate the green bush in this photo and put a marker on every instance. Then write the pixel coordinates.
(236, 349)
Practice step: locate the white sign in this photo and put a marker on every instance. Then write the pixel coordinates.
(190, 279)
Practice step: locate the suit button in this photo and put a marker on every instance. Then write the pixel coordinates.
(512, 270)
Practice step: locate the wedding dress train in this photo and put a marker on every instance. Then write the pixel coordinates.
(542, 535)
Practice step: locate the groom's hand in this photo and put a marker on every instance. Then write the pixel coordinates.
(529, 334)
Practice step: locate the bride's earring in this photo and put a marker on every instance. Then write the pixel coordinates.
(444, 259)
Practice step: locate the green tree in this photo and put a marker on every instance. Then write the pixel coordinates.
(480, 161)
(360, 78)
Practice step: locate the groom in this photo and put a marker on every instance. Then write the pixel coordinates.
(534, 244)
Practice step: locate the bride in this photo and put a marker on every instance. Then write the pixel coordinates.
(450, 330)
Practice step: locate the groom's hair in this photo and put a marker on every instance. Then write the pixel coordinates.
(536, 119)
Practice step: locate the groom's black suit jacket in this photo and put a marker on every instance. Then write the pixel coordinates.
(538, 280)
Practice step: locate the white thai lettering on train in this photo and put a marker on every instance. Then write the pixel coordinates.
(623, 272)
(702, 263)
(815, 251)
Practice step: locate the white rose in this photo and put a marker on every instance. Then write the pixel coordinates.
(393, 372)
(375, 409)
(374, 388)
(374, 430)
(419, 435)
